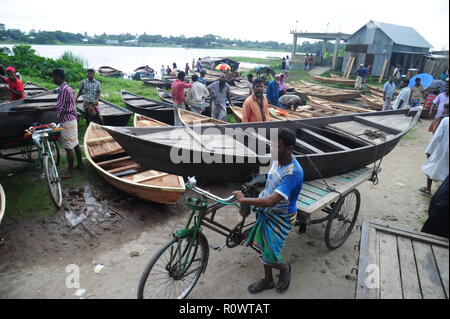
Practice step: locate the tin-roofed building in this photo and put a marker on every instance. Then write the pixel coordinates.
(376, 42)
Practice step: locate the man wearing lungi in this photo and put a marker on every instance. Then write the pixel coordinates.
(276, 212)
(90, 88)
(67, 117)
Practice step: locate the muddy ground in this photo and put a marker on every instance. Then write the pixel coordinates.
(122, 233)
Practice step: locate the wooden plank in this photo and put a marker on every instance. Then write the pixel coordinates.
(363, 261)
(429, 278)
(309, 194)
(146, 179)
(100, 140)
(408, 269)
(309, 147)
(349, 71)
(383, 70)
(123, 168)
(379, 126)
(349, 136)
(314, 189)
(373, 265)
(441, 257)
(326, 140)
(390, 281)
(120, 159)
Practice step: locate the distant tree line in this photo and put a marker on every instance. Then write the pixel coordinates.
(206, 41)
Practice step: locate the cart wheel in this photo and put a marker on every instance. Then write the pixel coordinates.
(342, 219)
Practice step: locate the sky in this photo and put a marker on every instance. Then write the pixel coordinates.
(260, 20)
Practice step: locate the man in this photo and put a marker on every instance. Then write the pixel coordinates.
(325, 57)
(196, 95)
(417, 92)
(290, 102)
(256, 106)
(178, 96)
(361, 74)
(388, 93)
(436, 168)
(67, 116)
(402, 99)
(283, 65)
(440, 101)
(163, 71)
(90, 89)
(220, 93)
(15, 86)
(187, 69)
(199, 65)
(273, 91)
(437, 222)
(310, 61)
(276, 213)
(202, 79)
(250, 82)
(288, 63)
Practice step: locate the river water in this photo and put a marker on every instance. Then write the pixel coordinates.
(127, 59)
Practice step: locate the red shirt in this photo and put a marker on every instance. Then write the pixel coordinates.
(16, 85)
(178, 91)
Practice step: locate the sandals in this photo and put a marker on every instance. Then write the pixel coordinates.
(283, 283)
(260, 286)
(424, 190)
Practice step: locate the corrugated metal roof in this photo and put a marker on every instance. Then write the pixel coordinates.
(403, 35)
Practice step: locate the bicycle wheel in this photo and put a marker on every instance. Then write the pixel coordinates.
(342, 219)
(53, 181)
(165, 278)
(55, 151)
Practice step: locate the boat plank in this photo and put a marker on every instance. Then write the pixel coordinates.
(390, 281)
(326, 140)
(408, 269)
(441, 256)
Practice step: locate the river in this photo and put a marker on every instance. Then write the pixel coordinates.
(127, 59)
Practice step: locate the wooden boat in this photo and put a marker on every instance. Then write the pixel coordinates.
(164, 95)
(110, 71)
(326, 93)
(335, 105)
(156, 82)
(121, 171)
(332, 80)
(112, 114)
(233, 152)
(191, 118)
(32, 89)
(160, 111)
(17, 116)
(374, 102)
(237, 93)
(2, 203)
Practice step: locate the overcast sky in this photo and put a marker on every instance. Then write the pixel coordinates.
(242, 19)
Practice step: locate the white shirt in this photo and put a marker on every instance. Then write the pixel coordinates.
(197, 93)
(436, 167)
(404, 95)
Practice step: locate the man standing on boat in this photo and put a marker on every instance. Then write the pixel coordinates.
(256, 106)
(90, 89)
(220, 93)
(388, 93)
(276, 213)
(178, 96)
(196, 95)
(15, 85)
(67, 116)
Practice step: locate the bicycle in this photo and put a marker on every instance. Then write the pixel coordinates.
(40, 138)
(175, 268)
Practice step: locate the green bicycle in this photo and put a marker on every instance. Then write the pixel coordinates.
(45, 149)
(175, 269)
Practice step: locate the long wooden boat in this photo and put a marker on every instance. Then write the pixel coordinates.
(112, 114)
(32, 89)
(2, 203)
(335, 105)
(157, 110)
(332, 80)
(156, 82)
(233, 152)
(322, 92)
(374, 102)
(110, 72)
(189, 118)
(164, 95)
(121, 171)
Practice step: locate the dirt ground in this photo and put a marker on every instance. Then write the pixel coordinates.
(122, 233)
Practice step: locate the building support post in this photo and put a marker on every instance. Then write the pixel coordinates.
(335, 53)
(294, 50)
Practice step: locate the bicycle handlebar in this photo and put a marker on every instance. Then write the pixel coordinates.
(191, 182)
(43, 128)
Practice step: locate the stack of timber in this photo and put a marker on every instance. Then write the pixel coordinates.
(305, 88)
(335, 105)
(326, 146)
(374, 101)
(332, 80)
(121, 171)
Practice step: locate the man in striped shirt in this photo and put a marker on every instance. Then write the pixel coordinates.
(67, 116)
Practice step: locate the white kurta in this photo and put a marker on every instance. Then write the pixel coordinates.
(436, 167)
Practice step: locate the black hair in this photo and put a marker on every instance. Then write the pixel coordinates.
(257, 81)
(90, 71)
(249, 75)
(202, 72)
(194, 78)
(59, 73)
(287, 136)
(181, 75)
(417, 79)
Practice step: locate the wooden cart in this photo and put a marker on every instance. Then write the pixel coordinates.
(337, 199)
(397, 263)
